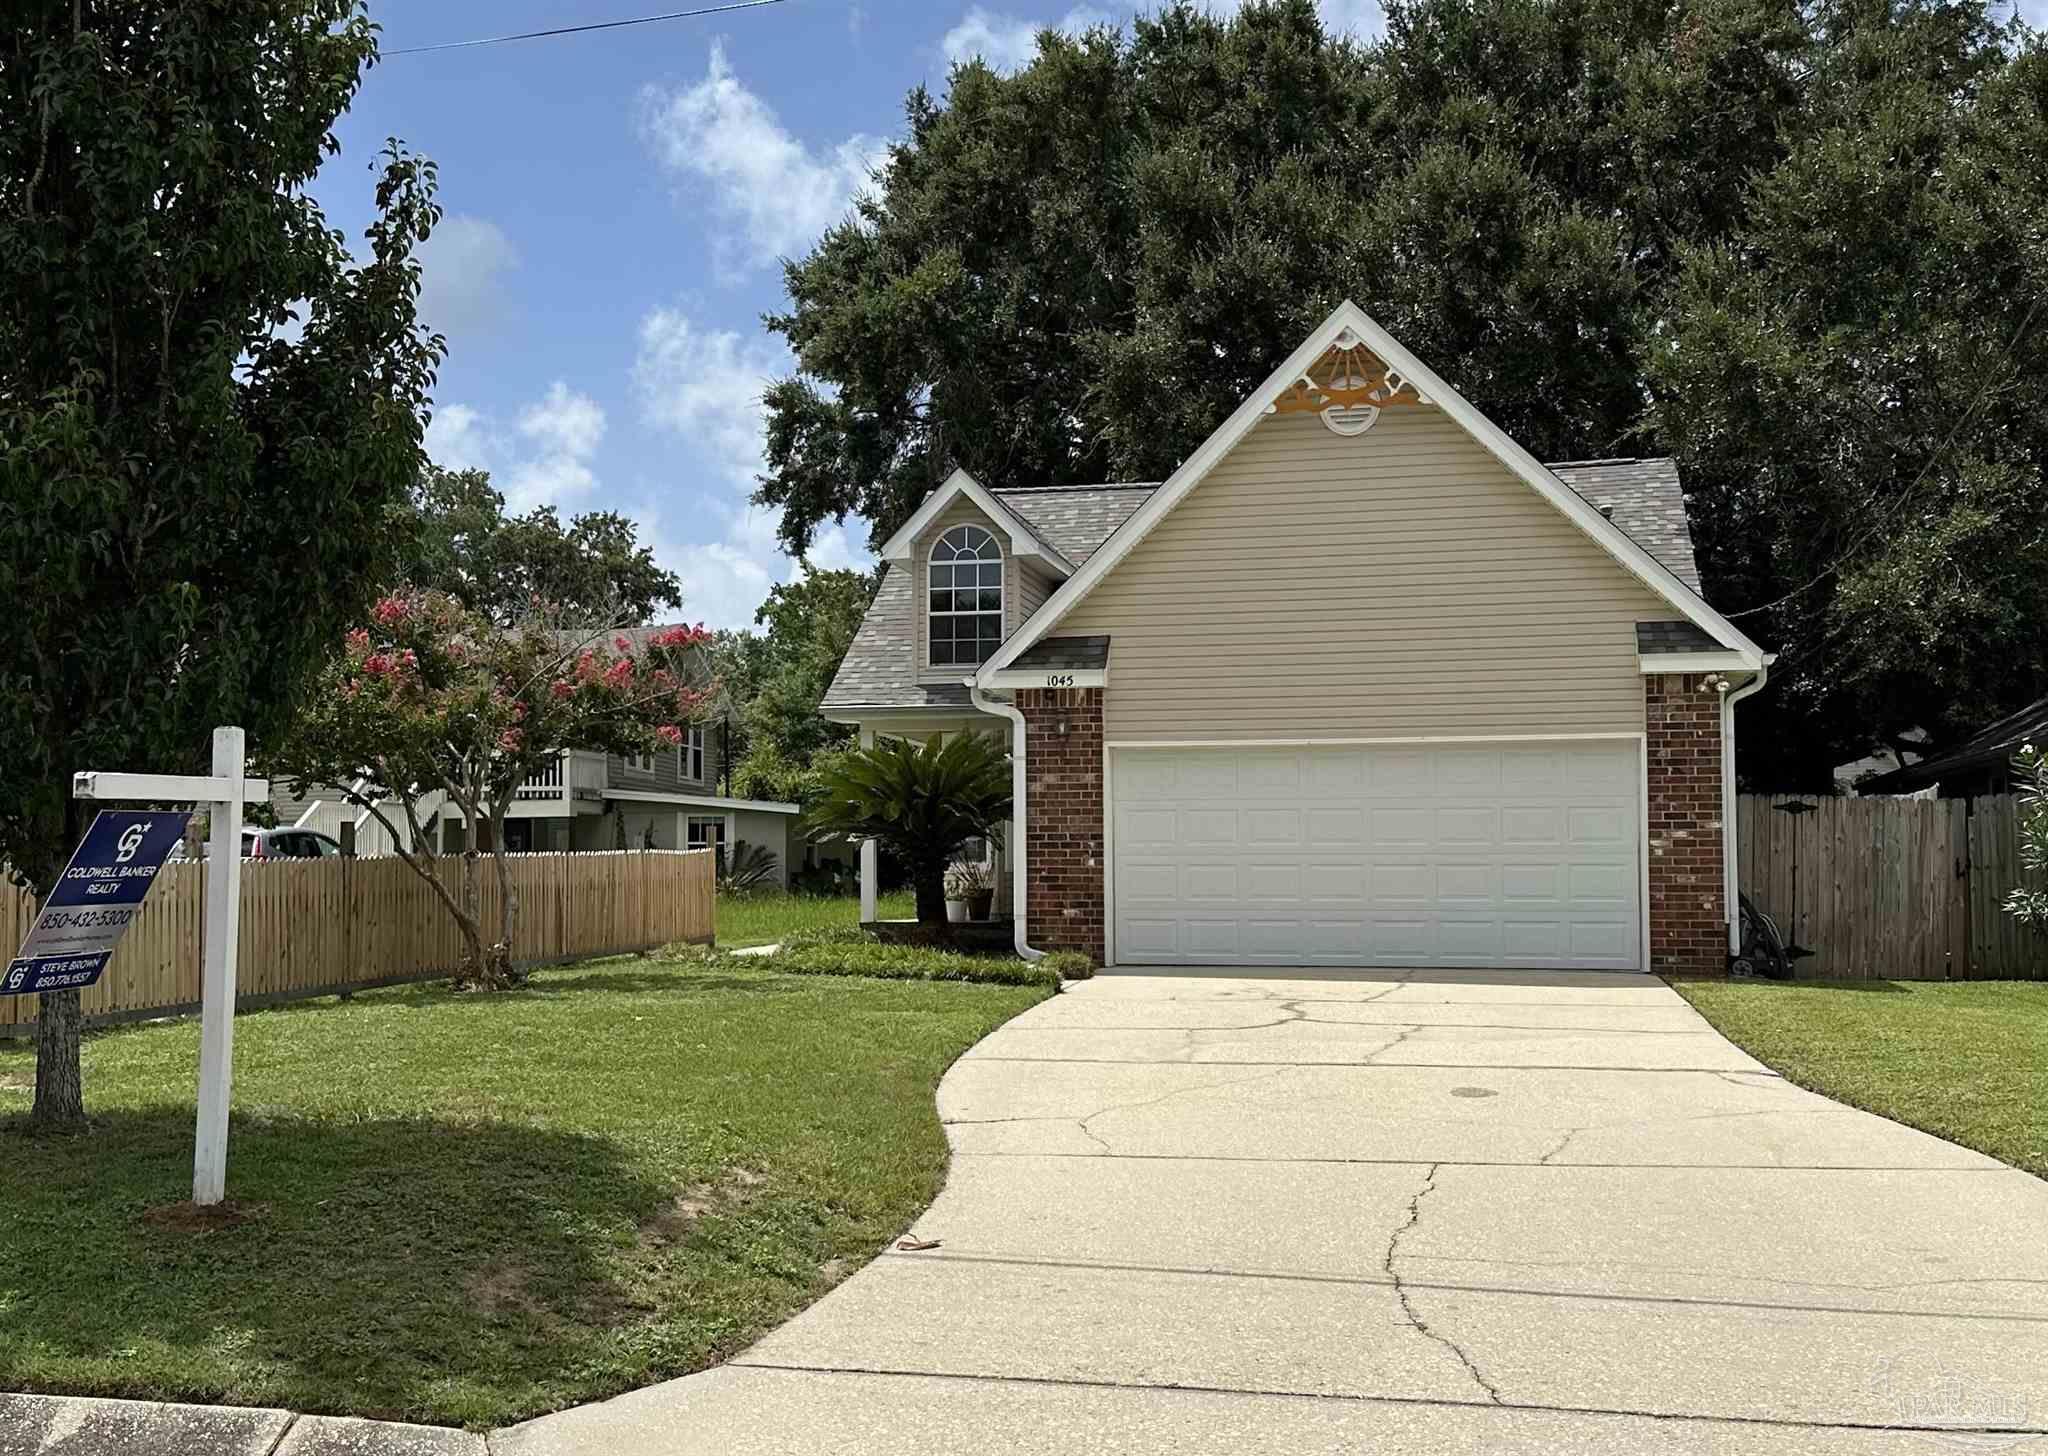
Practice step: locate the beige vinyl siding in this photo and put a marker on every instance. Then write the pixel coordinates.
(1401, 583)
(961, 511)
(1033, 587)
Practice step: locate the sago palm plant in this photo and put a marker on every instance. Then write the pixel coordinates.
(922, 804)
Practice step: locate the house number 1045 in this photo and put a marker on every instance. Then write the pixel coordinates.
(1059, 679)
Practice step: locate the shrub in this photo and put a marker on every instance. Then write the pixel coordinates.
(907, 963)
(1070, 965)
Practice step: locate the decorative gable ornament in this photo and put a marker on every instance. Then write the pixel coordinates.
(1347, 388)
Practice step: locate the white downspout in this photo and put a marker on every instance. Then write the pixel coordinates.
(1731, 862)
(1017, 811)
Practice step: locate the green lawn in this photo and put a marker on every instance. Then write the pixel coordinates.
(1965, 1060)
(471, 1209)
(764, 919)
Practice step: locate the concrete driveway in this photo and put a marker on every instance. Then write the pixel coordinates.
(1438, 1212)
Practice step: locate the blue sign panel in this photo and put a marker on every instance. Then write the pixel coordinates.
(96, 900)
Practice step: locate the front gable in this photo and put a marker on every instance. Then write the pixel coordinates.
(1350, 378)
(1399, 583)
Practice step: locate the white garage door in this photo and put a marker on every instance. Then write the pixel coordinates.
(1518, 855)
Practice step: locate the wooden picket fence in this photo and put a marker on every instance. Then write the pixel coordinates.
(314, 927)
(1900, 889)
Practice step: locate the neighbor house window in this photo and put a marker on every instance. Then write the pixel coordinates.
(707, 831)
(966, 601)
(690, 756)
(641, 762)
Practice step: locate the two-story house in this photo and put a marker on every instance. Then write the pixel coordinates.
(1363, 682)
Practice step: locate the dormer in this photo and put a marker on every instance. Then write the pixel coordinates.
(977, 568)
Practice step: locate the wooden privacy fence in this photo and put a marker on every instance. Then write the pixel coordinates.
(311, 927)
(1900, 889)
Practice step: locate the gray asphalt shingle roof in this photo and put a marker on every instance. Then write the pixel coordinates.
(1656, 637)
(1071, 654)
(1642, 497)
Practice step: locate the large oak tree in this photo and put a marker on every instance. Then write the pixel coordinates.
(194, 495)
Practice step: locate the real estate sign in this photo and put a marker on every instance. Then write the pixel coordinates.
(97, 898)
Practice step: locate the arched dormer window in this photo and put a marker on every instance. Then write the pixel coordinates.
(966, 598)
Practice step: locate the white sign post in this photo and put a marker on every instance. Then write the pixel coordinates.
(225, 795)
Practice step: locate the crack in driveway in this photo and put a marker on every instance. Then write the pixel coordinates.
(1407, 1300)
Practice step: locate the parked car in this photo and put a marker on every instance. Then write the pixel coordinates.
(286, 844)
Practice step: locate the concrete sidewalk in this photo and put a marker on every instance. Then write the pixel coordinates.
(1373, 1211)
(46, 1425)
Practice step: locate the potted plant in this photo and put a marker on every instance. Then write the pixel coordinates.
(971, 878)
(959, 886)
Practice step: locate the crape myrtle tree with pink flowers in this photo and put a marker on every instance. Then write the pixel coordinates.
(431, 696)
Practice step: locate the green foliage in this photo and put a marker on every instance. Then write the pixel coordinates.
(1797, 246)
(193, 500)
(921, 803)
(458, 539)
(857, 953)
(750, 867)
(777, 678)
(2030, 902)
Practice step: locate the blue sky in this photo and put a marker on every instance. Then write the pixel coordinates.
(617, 203)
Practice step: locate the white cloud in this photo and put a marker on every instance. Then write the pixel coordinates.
(1006, 42)
(1009, 42)
(705, 386)
(462, 267)
(565, 422)
(775, 193)
(543, 460)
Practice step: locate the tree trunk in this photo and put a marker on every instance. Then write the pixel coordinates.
(59, 1104)
(60, 1090)
(498, 971)
(931, 896)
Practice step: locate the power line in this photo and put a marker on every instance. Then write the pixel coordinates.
(456, 45)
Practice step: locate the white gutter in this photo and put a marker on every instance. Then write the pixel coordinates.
(1731, 863)
(1017, 811)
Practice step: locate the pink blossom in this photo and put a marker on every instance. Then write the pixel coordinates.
(670, 734)
(519, 712)
(358, 642)
(409, 658)
(619, 674)
(622, 644)
(563, 689)
(511, 739)
(679, 636)
(377, 664)
(391, 611)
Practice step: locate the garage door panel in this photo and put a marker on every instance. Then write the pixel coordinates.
(1335, 827)
(1209, 826)
(1211, 882)
(1601, 886)
(1401, 826)
(1540, 773)
(1526, 885)
(1609, 824)
(1532, 824)
(1272, 826)
(1481, 855)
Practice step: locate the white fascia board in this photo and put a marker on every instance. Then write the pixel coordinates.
(1046, 677)
(1650, 664)
(1652, 572)
(701, 801)
(1023, 540)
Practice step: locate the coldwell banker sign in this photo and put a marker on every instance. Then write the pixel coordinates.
(95, 902)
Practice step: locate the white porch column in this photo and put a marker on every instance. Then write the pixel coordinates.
(870, 857)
